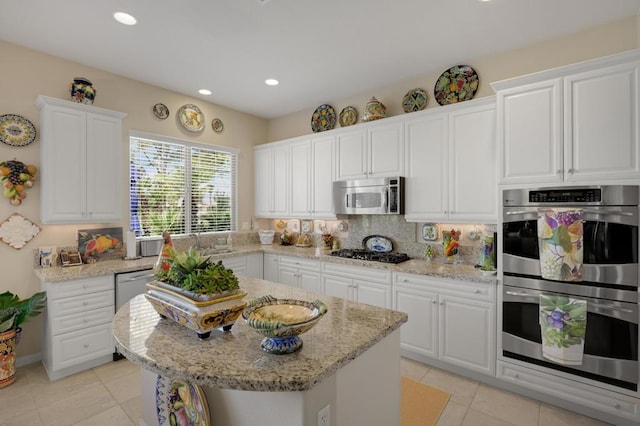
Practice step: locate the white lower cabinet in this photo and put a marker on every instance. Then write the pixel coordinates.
(249, 265)
(299, 272)
(77, 332)
(362, 285)
(450, 320)
(270, 267)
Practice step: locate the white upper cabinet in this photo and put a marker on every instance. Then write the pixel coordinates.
(577, 123)
(472, 159)
(451, 157)
(294, 178)
(374, 150)
(81, 162)
(271, 181)
(530, 132)
(601, 123)
(322, 177)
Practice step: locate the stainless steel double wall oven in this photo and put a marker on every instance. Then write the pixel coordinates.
(609, 279)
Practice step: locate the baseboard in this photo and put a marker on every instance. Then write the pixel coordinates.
(28, 359)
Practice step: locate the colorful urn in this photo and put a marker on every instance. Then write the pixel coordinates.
(82, 91)
(374, 110)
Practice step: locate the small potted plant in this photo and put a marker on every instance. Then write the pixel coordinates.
(13, 312)
(197, 275)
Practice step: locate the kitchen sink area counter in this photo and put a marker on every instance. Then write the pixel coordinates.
(414, 266)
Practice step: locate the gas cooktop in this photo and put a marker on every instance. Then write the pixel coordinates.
(362, 254)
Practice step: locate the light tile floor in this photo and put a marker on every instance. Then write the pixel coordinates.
(109, 395)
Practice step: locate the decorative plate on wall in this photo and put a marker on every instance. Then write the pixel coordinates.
(217, 125)
(457, 84)
(414, 100)
(161, 111)
(348, 116)
(191, 117)
(323, 118)
(16, 130)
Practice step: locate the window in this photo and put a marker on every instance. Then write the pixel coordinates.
(180, 186)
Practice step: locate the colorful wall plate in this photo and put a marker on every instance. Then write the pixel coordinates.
(161, 111)
(217, 125)
(457, 84)
(414, 100)
(323, 118)
(348, 116)
(16, 130)
(191, 118)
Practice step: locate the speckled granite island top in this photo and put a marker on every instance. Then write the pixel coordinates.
(234, 360)
(413, 266)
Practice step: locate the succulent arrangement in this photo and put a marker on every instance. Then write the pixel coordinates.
(195, 272)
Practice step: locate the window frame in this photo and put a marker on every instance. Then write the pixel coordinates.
(188, 145)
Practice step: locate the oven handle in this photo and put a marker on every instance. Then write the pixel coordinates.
(594, 304)
(385, 197)
(596, 212)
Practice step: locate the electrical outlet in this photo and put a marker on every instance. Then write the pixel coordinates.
(324, 416)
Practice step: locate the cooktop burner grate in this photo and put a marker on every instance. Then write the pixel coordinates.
(362, 254)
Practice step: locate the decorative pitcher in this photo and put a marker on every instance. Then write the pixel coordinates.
(82, 91)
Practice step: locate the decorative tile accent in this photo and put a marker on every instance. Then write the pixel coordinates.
(16, 231)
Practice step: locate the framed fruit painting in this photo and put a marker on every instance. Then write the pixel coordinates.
(101, 243)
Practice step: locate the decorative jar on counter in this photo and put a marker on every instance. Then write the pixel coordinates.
(82, 91)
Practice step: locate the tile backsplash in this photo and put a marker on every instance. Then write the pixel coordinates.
(406, 236)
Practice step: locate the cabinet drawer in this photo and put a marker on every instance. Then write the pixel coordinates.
(469, 289)
(80, 346)
(356, 272)
(79, 287)
(300, 263)
(67, 323)
(84, 303)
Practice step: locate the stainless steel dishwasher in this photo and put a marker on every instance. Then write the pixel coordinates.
(129, 285)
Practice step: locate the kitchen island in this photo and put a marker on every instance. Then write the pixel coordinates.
(349, 361)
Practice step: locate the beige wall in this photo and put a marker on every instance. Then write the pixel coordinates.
(25, 75)
(599, 41)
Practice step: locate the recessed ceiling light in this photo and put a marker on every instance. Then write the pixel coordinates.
(204, 91)
(271, 82)
(124, 18)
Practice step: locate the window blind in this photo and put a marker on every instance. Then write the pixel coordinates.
(181, 187)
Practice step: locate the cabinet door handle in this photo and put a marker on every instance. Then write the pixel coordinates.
(405, 280)
(476, 291)
(441, 303)
(571, 171)
(434, 302)
(444, 212)
(558, 171)
(85, 303)
(85, 345)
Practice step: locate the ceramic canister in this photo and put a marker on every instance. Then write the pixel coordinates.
(374, 110)
(82, 91)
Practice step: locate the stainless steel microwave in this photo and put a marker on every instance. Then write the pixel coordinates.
(369, 196)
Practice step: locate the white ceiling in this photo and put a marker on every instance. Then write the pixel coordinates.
(321, 51)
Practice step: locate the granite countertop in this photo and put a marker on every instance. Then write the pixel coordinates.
(234, 360)
(413, 266)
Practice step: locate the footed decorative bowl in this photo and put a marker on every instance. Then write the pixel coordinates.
(281, 321)
(202, 314)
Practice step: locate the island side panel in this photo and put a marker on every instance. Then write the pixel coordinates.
(368, 388)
